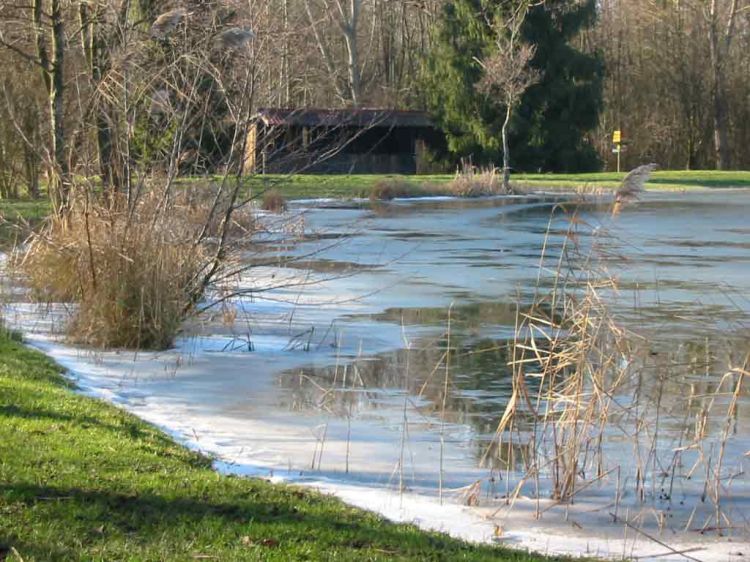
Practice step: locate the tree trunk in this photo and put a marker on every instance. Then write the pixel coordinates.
(506, 149)
(349, 28)
(96, 47)
(57, 110)
(721, 139)
(31, 169)
(353, 66)
(54, 82)
(325, 52)
(107, 166)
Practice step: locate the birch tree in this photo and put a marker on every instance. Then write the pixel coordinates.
(507, 73)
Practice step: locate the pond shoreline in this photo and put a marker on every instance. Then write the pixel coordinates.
(162, 502)
(240, 407)
(565, 534)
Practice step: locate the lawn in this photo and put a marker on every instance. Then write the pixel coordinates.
(339, 186)
(349, 186)
(83, 480)
(660, 180)
(303, 186)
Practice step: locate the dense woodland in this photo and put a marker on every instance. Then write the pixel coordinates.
(88, 87)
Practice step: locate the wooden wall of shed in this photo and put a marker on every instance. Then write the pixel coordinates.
(342, 163)
(248, 166)
(342, 150)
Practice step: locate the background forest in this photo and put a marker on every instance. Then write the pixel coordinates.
(85, 84)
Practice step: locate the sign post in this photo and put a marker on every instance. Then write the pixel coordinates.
(617, 141)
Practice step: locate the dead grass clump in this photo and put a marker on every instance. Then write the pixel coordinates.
(391, 188)
(473, 182)
(134, 274)
(273, 202)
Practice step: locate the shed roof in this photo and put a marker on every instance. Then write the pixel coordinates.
(364, 118)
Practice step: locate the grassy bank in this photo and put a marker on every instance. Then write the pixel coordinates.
(305, 186)
(83, 480)
(660, 180)
(349, 186)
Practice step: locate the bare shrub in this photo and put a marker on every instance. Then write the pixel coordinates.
(390, 188)
(134, 273)
(274, 202)
(196, 201)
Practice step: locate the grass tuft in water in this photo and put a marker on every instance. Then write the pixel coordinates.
(274, 201)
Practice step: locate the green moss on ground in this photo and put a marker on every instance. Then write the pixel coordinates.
(83, 480)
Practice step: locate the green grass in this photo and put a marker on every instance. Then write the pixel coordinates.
(660, 180)
(304, 186)
(29, 209)
(338, 186)
(17, 216)
(83, 480)
(351, 186)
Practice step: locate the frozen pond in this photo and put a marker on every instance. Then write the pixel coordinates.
(372, 361)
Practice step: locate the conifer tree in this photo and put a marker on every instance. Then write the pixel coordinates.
(548, 130)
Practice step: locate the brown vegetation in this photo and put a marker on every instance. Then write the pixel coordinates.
(473, 182)
(391, 188)
(676, 81)
(273, 201)
(582, 384)
(134, 273)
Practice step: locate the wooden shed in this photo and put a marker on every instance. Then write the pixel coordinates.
(337, 141)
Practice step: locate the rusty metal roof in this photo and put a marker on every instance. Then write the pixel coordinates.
(364, 118)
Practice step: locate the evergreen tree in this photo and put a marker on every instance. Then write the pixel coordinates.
(548, 130)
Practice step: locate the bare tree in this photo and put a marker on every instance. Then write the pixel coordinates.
(104, 26)
(507, 72)
(46, 49)
(676, 80)
(52, 62)
(345, 16)
(721, 17)
(20, 137)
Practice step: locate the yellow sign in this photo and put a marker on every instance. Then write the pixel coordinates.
(617, 136)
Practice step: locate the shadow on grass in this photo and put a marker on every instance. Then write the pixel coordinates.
(12, 410)
(92, 516)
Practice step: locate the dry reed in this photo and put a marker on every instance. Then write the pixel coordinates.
(134, 273)
(568, 348)
(473, 182)
(580, 379)
(274, 202)
(391, 188)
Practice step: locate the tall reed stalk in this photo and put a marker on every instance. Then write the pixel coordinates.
(580, 379)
